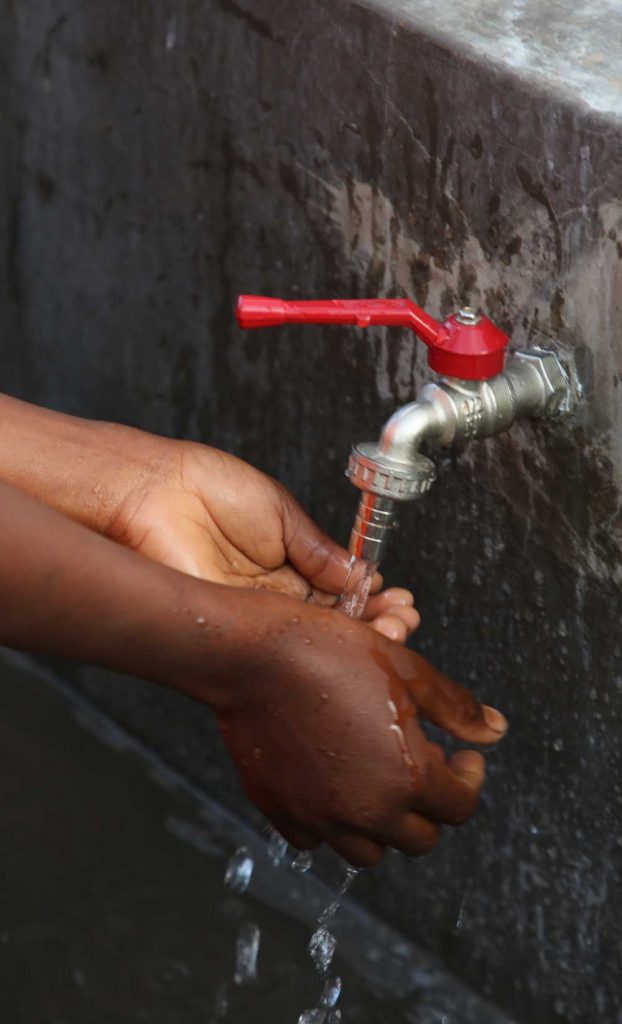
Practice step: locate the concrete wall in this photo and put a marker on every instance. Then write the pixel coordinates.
(162, 158)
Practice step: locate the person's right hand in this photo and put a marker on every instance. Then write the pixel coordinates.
(322, 718)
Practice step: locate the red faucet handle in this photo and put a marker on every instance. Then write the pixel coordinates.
(467, 345)
(261, 311)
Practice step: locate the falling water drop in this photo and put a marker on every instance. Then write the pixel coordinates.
(302, 862)
(277, 848)
(221, 1004)
(246, 951)
(331, 992)
(329, 912)
(239, 870)
(351, 874)
(322, 947)
(312, 1017)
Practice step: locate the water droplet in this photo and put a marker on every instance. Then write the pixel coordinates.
(312, 1017)
(308, 640)
(329, 912)
(257, 754)
(277, 848)
(331, 992)
(334, 1017)
(246, 950)
(302, 862)
(322, 949)
(325, 698)
(295, 619)
(171, 34)
(200, 620)
(221, 1004)
(239, 870)
(351, 874)
(558, 745)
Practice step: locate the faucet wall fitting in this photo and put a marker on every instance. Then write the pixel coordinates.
(477, 397)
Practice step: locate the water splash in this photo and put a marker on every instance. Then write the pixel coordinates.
(357, 586)
(239, 870)
(246, 952)
(322, 947)
(312, 1017)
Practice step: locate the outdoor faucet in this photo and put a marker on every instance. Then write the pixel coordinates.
(480, 393)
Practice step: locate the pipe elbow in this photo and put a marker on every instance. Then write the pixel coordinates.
(423, 420)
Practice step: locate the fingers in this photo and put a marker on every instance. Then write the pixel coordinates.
(323, 562)
(449, 793)
(393, 597)
(358, 850)
(414, 835)
(451, 707)
(297, 837)
(397, 624)
(392, 614)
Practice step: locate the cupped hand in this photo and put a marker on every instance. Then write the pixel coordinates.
(325, 729)
(213, 516)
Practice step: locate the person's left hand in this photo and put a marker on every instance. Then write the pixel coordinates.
(211, 515)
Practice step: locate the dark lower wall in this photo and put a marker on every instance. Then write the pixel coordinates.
(161, 158)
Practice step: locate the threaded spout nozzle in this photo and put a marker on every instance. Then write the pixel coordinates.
(374, 522)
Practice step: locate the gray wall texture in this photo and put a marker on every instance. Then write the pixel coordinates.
(159, 158)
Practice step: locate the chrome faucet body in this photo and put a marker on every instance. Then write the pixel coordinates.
(534, 383)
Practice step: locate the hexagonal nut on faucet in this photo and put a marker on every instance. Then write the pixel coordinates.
(371, 470)
(554, 381)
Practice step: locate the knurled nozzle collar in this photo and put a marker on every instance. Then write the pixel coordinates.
(371, 470)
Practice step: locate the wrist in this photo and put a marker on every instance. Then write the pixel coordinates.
(83, 468)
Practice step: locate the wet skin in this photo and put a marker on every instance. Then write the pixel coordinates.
(187, 505)
(321, 714)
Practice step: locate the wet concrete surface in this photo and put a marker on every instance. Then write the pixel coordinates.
(112, 903)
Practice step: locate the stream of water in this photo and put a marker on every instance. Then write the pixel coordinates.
(239, 870)
(323, 944)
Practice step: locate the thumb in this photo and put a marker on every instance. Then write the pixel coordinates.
(451, 706)
(323, 562)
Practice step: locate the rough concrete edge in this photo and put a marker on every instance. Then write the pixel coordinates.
(371, 947)
(539, 86)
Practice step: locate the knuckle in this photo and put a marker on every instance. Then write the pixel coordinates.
(464, 810)
(429, 843)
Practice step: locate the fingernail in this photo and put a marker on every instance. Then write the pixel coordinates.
(494, 719)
